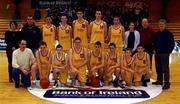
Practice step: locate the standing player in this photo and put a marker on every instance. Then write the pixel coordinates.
(141, 62)
(97, 29)
(80, 28)
(48, 33)
(96, 62)
(64, 32)
(59, 66)
(116, 33)
(113, 64)
(78, 61)
(127, 70)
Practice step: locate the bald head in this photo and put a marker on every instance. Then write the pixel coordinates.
(145, 23)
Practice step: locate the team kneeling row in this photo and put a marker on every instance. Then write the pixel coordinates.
(87, 67)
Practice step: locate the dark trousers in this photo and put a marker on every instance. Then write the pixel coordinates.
(25, 79)
(162, 67)
(150, 52)
(9, 57)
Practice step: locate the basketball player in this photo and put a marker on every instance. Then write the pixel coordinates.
(43, 56)
(64, 32)
(96, 62)
(113, 64)
(116, 33)
(142, 65)
(48, 33)
(80, 28)
(78, 61)
(59, 66)
(97, 29)
(127, 70)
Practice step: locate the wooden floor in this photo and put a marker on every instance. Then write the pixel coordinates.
(9, 94)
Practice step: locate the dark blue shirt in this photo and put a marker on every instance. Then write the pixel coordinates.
(164, 41)
(32, 36)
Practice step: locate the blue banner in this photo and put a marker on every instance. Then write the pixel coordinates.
(128, 93)
(3, 45)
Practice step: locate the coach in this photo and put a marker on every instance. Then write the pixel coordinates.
(164, 44)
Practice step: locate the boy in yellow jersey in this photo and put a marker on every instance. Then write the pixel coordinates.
(49, 33)
(141, 66)
(64, 32)
(97, 29)
(116, 33)
(43, 56)
(59, 66)
(78, 62)
(96, 63)
(80, 28)
(113, 64)
(127, 70)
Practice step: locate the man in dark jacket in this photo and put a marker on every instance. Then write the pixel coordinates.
(164, 45)
(31, 34)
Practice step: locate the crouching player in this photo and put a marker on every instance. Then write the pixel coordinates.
(127, 70)
(59, 66)
(43, 63)
(141, 67)
(96, 63)
(112, 66)
(43, 56)
(78, 62)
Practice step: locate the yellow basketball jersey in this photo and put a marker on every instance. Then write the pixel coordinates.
(48, 34)
(44, 59)
(141, 62)
(80, 30)
(112, 60)
(116, 36)
(59, 61)
(64, 37)
(78, 57)
(125, 62)
(95, 60)
(97, 32)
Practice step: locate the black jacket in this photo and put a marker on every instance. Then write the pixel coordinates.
(32, 35)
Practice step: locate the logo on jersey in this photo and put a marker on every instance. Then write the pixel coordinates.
(81, 55)
(83, 26)
(101, 27)
(67, 31)
(51, 30)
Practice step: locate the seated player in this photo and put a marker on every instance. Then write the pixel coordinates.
(59, 66)
(78, 62)
(141, 66)
(43, 57)
(113, 64)
(127, 70)
(96, 63)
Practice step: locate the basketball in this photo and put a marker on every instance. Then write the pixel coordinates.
(44, 83)
(95, 82)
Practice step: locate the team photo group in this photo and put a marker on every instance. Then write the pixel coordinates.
(88, 53)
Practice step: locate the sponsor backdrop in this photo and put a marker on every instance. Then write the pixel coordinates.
(3, 45)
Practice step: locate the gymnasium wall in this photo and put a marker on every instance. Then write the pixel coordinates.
(7, 9)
